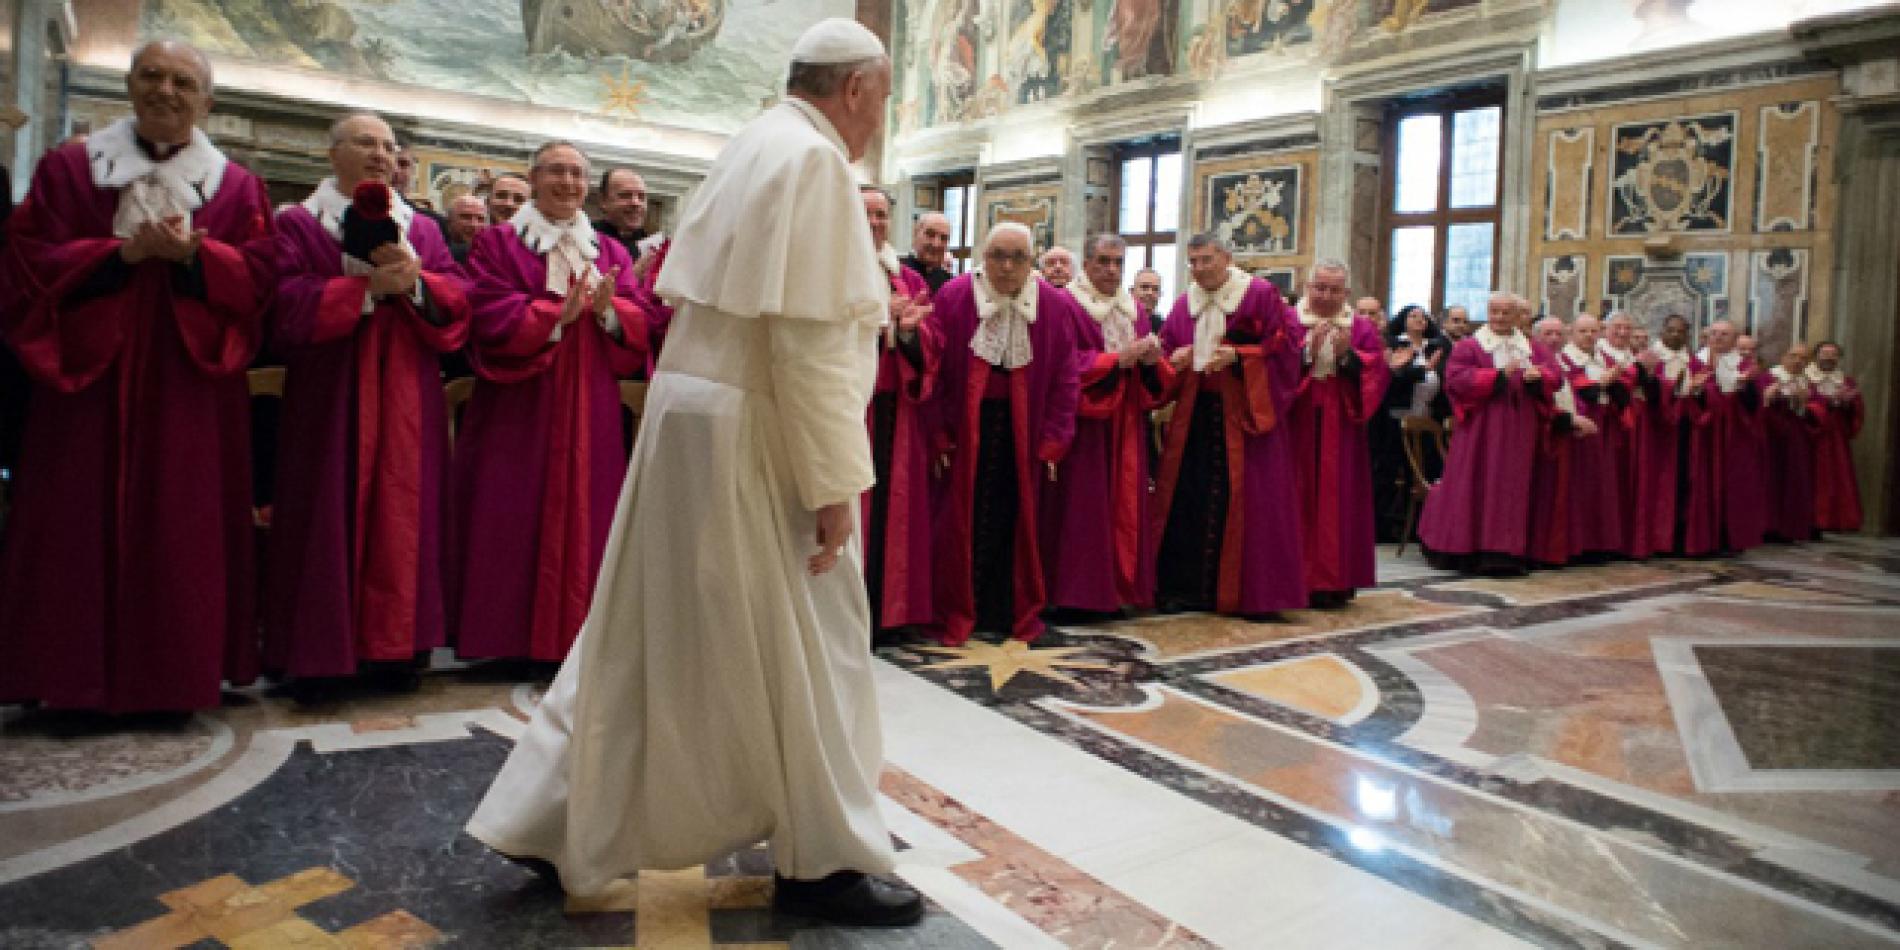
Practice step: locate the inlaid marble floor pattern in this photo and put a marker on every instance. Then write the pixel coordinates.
(1669, 754)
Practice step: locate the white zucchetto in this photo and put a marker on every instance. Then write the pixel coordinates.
(837, 40)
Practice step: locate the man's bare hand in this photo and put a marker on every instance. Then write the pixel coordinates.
(1224, 356)
(834, 530)
(1182, 358)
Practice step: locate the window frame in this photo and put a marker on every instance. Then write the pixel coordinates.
(1151, 149)
(1443, 217)
(961, 256)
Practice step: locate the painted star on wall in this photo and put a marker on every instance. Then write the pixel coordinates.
(623, 95)
(1005, 660)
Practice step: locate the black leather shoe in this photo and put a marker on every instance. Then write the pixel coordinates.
(851, 899)
(544, 870)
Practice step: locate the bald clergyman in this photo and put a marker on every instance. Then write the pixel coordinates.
(720, 692)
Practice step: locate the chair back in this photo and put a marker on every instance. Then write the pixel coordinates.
(1415, 430)
(456, 393)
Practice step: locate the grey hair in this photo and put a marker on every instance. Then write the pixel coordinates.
(1011, 227)
(1055, 249)
(875, 190)
(1332, 264)
(336, 128)
(534, 162)
(1210, 239)
(1095, 243)
(823, 80)
(1617, 315)
(197, 56)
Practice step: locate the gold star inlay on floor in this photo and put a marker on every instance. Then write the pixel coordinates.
(1005, 660)
(234, 913)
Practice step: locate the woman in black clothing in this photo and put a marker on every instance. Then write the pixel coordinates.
(1416, 353)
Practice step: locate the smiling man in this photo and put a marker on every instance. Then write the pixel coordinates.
(136, 274)
(364, 309)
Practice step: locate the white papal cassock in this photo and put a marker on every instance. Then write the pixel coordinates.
(720, 695)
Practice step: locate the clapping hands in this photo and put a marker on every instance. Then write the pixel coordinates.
(167, 240)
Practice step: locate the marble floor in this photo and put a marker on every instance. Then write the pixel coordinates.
(1672, 754)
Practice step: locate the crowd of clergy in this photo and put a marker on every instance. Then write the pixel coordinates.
(1047, 438)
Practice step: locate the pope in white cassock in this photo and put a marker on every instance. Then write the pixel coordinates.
(720, 692)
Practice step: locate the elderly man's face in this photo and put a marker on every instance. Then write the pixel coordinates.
(624, 202)
(170, 93)
(1457, 322)
(1745, 345)
(1104, 268)
(1550, 333)
(877, 211)
(1326, 291)
(1208, 265)
(1371, 309)
(930, 239)
(1720, 336)
(1147, 289)
(507, 196)
(1639, 338)
(1795, 361)
(1500, 312)
(1585, 332)
(862, 98)
(1828, 357)
(365, 150)
(1058, 267)
(1006, 261)
(1619, 331)
(467, 217)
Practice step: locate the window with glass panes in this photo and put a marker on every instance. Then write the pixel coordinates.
(1148, 208)
(959, 205)
(1441, 202)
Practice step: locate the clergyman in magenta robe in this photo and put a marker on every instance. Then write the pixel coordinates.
(1098, 534)
(356, 544)
(1836, 487)
(1791, 419)
(1226, 497)
(1728, 475)
(540, 454)
(1006, 415)
(126, 574)
(1501, 385)
(1343, 376)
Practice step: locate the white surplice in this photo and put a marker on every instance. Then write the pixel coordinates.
(718, 694)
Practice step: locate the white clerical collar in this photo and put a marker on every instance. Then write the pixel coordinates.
(1837, 377)
(887, 256)
(1591, 362)
(1116, 313)
(1516, 343)
(1621, 356)
(1789, 380)
(117, 161)
(1002, 329)
(1728, 368)
(819, 122)
(328, 203)
(1342, 319)
(1227, 299)
(149, 190)
(570, 246)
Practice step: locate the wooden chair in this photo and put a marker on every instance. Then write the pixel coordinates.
(1414, 431)
(456, 392)
(264, 382)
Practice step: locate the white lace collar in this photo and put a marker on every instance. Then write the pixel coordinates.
(570, 246)
(1789, 380)
(1002, 330)
(149, 190)
(1116, 313)
(328, 203)
(1590, 362)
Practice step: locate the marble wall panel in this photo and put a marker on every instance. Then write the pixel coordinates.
(1567, 172)
(1033, 207)
(1673, 175)
(1778, 298)
(1264, 204)
(1785, 171)
(1565, 286)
